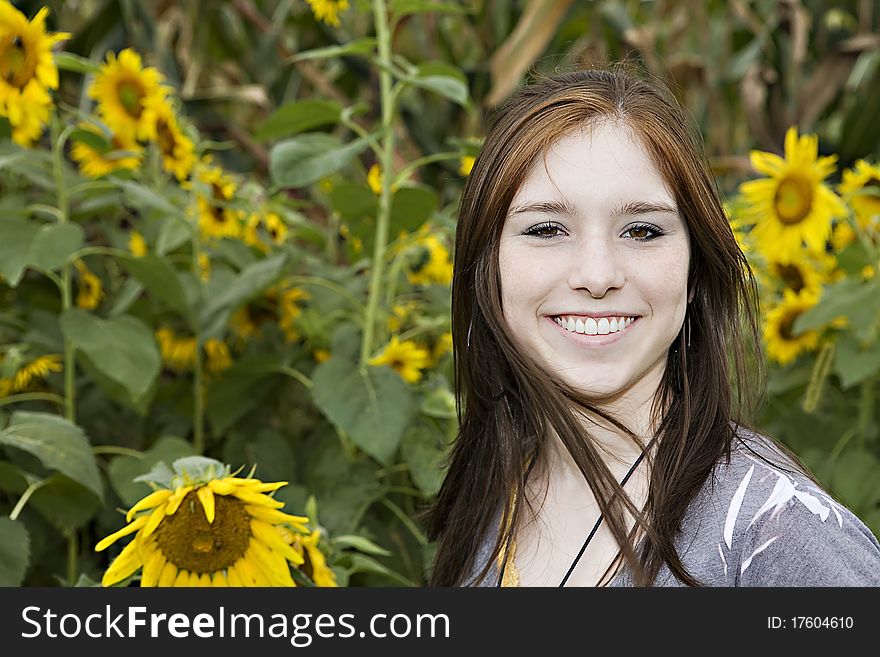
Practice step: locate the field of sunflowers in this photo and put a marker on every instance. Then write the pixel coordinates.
(225, 261)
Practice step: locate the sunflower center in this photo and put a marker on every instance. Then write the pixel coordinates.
(16, 64)
(189, 542)
(792, 276)
(794, 200)
(165, 137)
(130, 95)
(786, 324)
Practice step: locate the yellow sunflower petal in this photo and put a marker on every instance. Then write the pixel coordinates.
(168, 575)
(266, 533)
(273, 565)
(206, 497)
(249, 573)
(274, 516)
(153, 565)
(125, 531)
(222, 486)
(125, 565)
(153, 521)
(204, 580)
(153, 499)
(219, 579)
(176, 500)
(258, 499)
(234, 578)
(182, 579)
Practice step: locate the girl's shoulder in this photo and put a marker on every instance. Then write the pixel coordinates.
(772, 525)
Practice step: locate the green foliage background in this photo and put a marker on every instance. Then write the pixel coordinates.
(299, 111)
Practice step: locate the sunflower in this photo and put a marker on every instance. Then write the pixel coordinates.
(315, 565)
(782, 345)
(270, 223)
(328, 10)
(321, 355)
(216, 218)
(466, 164)
(400, 313)
(178, 353)
(129, 96)
(863, 177)
(24, 374)
(406, 358)
(433, 265)
(793, 206)
(218, 355)
(178, 150)
(97, 159)
(90, 290)
(205, 527)
(797, 275)
(137, 244)
(27, 71)
(443, 346)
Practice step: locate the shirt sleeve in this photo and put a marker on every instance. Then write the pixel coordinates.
(808, 540)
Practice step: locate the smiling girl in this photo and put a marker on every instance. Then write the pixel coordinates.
(607, 362)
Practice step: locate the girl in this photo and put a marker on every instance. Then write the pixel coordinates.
(605, 334)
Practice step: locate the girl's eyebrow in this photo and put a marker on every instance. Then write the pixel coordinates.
(564, 208)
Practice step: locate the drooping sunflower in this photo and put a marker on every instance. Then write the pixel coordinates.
(433, 265)
(315, 565)
(178, 150)
(204, 527)
(27, 71)
(782, 345)
(23, 373)
(270, 224)
(328, 11)
(217, 353)
(406, 358)
(178, 352)
(97, 159)
(793, 207)
(90, 290)
(289, 309)
(129, 95)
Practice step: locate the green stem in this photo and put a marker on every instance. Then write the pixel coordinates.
(384, 41)
(294, 373)
(72, 554)
(33, 488)
(866, 410)
(59, 137)
(198, 366)
(422, 161)
(406, 520)
(97, 450)
(33, 396)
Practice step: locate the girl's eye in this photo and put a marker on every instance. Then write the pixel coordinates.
(644, 232)
(543, 231)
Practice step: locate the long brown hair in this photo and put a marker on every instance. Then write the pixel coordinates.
(507, 403)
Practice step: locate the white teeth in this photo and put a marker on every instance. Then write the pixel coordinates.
(590, 326)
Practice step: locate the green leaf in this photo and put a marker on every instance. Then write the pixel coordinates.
(16, 237)
(359, 543)
(54, 244)
(298, 116)
(58, 444)
(67, 61)
(122, 348)
(443, 79)
(439, 403)
(373, 406)
(411, 207)
(357, 47)
(353, 201)
(421, 450)
(65, 503)
(268, 450)
(853, 363)
(138, 195)
(172, 234)
(15, 551)
(12, 479)
(404, 7)
(306, 158)
(123, 470)
(855, 479)
(160, 279)
(848, 298)
(251, 281)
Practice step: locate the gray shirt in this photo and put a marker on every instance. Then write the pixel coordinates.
(756, 524)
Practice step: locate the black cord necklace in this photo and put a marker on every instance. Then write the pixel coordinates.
(589, 537)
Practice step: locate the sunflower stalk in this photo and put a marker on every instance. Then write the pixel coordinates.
(383, 38)
(821, 369)
(198, 365)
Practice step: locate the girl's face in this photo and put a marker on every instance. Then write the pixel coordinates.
(594, 265)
